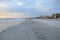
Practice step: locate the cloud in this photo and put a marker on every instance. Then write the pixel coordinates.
(19, 3)
(28, 7)
(6, 10)
(9, 14)
(50, 1)
(46, 5)
(41, 7)
(3, 5)
(6, 5)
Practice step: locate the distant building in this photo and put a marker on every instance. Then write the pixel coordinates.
(43, 17)
(56, 15)
(46, 17)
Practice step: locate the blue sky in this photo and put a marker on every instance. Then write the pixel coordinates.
(28, 8)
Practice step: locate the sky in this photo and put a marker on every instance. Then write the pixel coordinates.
(28, 8)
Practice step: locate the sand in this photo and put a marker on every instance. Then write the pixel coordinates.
(36, 29)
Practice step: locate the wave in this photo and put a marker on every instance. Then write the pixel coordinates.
(10, 19)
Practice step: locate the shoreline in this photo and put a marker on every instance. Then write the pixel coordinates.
(7, 24)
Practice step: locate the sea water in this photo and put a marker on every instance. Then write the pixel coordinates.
(9, 22)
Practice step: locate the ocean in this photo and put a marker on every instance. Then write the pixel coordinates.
(9, 22)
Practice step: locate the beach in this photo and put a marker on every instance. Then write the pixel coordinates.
(33, 29)
(4, 24)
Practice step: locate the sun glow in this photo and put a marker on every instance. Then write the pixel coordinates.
(4, 14)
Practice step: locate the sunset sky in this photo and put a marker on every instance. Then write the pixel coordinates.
(28, 8)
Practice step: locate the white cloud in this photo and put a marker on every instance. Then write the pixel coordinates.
(5, 12)
(3, 5)
(38, 4)
(20, 3)
(17, 2)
